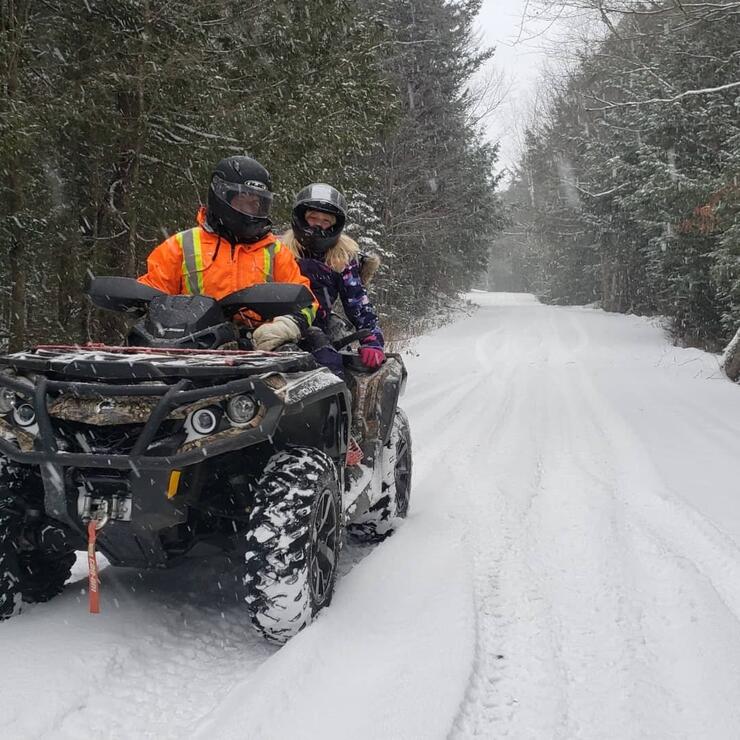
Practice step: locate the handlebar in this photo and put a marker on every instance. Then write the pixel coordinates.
(355, 336)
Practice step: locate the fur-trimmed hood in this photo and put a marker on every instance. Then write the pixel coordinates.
(369, 264)
(339, 256)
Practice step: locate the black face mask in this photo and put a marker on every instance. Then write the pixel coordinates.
(314, 239)
(236, 227)
(318, 240)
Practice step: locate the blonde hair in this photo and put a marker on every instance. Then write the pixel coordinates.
(338, 257)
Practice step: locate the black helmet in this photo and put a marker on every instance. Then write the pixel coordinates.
(239, 200)
(318, 197)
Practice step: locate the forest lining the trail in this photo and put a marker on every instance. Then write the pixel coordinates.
(627, 193)
(113, 115)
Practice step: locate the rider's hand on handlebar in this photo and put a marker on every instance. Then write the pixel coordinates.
(371, 357)
(281, 330)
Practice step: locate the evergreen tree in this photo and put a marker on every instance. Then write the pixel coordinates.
(113, 115)
(635, 162)
(434, 175)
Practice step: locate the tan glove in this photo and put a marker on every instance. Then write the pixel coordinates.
(281, 330)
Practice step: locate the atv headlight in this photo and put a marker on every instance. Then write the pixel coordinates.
(24, 415)
(7, 401)
(241, 410)
(204, 421)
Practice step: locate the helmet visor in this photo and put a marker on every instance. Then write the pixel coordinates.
(251, 198)
(322, 197)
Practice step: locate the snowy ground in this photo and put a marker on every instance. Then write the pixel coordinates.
(570, 569)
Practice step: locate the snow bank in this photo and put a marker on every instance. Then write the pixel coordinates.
(389, 658)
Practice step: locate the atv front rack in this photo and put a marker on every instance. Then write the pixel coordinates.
(103, 362)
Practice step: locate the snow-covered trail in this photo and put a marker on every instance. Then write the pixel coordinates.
(570, 569)
(607, 581)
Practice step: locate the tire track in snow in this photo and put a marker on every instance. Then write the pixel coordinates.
(497, 511)
(573, 540)
(555, 639)
(464, 419)
(526, 624)
(689, 583)
(191, 643)
(683, 530)
(504, 508)
(485, 706)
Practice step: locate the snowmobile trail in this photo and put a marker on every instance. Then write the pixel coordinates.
(570, 568)
(164, 652)
(580, 628)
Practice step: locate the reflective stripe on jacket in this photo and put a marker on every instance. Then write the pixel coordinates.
(198, 261)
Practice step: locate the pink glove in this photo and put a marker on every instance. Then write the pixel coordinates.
(371, 357)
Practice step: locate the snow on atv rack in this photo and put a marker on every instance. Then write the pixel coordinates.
(104, 361)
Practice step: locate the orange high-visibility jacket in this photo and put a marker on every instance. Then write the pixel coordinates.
(197, 261)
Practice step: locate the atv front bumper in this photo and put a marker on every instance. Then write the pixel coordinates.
(39, 443)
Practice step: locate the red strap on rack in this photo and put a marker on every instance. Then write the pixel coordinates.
(92, 567)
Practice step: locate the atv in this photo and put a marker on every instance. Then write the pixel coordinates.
(186, 441)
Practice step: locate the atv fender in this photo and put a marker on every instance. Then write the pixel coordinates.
(316, 411)
(375, 399)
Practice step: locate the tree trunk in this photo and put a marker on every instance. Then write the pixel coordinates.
(17, 269)
(731, 358)
(14, 25)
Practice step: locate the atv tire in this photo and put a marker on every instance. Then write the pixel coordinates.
(383, 517)
(29, 576)
(294, 541)
(10, 575)
(43, 575)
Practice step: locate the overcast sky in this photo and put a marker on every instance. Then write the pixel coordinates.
(520, 56)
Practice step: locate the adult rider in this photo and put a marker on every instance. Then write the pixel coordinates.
(231, 248)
